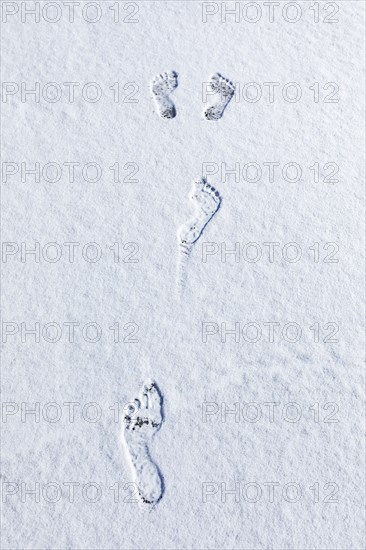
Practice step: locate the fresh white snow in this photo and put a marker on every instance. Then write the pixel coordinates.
(287, 160)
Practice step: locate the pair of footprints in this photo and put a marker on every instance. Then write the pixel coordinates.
(164, 84)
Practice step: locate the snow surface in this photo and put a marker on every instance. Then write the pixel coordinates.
(170, 349)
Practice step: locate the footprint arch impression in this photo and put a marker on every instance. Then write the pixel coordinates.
(142, 419)
(162, 86)
(222, 90)
(206, 201)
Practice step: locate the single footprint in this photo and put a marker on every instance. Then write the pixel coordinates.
(162, 86)
(224, 90)
(206, 200)
(142, 419)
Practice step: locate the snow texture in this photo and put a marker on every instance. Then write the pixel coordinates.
(273, 410)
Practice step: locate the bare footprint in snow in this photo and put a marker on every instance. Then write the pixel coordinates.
(224, 90)
(206, 200)
(142, 419)
(162, 86)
